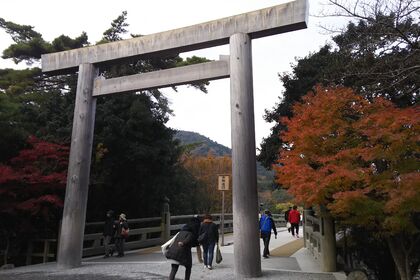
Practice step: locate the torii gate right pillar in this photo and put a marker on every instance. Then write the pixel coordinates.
(247, 260)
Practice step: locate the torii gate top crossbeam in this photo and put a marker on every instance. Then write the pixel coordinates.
(265, 22)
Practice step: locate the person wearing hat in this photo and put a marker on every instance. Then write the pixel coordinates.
(108, 233)
(121, 226)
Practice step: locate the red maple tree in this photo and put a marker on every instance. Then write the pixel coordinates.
(32, 190)
(360, 159)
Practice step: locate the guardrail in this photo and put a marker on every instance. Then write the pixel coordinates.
(48, 247)
(312, 234)
(149, 232)
(144, 232)
(279, 220)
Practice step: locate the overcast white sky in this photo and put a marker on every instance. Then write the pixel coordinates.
(207, 114)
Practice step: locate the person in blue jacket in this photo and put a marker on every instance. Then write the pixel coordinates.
(266, 225)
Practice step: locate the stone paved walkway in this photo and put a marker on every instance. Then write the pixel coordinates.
(150, 264)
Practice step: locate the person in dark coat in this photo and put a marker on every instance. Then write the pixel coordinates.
(119, 238)
(180, 252)
(109, 231)
(266, 225)
(195, 224)
(211, 238)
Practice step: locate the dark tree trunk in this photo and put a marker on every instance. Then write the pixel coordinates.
(401, 254)
(6, 251)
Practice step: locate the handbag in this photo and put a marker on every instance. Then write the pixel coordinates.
(124, 232)
(199, 254)
(218, 255)
(165, 247)
(288, 225)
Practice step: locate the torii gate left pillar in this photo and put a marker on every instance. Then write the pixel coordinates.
(74, 213)
(236, 30)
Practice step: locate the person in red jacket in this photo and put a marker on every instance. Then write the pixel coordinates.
(294, 220)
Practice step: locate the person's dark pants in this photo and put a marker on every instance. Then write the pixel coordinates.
(119, 246)
(266, 239)
(208, 249)
(295, 226)
(107, 244)
(175, 269)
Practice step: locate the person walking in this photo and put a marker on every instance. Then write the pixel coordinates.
(195, 225)
(294, 219)
(108, 233)
(121, 227)
(286, 218)
(179, 253)
(208, 237)
(266, 225)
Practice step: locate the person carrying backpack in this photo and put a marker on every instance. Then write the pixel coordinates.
(266, 225)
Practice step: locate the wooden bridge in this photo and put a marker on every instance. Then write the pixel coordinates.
(144, 233)
(153, 231)
(288, 258)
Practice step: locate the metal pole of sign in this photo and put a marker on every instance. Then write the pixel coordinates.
(223, 185)
(223, 219)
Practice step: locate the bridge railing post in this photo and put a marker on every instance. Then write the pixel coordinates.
(305, 213)
(328, 242)
(166, 220)
(29, 252)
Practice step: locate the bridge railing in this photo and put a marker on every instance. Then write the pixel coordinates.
(279, 220)
(44, 249)
(312, 235)
(144, 232)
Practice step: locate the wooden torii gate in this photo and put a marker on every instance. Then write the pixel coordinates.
(238, 31)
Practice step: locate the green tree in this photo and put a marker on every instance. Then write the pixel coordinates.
(136, 159)
(378, 54)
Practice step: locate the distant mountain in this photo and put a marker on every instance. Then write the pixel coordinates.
(202, 145)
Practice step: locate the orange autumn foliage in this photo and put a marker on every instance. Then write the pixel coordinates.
(360, 158)
(206, 169)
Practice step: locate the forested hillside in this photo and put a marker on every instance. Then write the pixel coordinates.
(200, 145)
